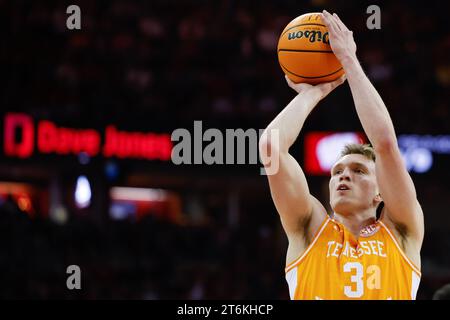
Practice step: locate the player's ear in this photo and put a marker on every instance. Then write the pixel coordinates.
(378, 198)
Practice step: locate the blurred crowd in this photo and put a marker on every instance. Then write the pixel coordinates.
(151, 259)
(165, 63)
(162, 64)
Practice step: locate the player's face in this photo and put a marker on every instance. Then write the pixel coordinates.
(353, 184)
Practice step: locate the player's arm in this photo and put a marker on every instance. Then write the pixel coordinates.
(288, 185)
(396, 186)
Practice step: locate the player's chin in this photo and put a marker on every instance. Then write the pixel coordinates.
(342, 205)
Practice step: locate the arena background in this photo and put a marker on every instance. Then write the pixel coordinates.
(192, 231)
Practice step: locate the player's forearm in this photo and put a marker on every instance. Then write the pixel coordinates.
(290, 120)
(370, 108)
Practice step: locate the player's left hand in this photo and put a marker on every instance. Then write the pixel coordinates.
(341, 38)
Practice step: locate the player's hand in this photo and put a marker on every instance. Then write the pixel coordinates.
(341, 38)
(320, 90)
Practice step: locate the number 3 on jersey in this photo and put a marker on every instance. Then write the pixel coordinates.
(373, 274)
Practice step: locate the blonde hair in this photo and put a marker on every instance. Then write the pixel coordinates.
(367, 151)
(356, 148)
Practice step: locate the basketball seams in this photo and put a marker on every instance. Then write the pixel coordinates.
(303, 24)
(302, 50)
(306, 57)
(318, 77)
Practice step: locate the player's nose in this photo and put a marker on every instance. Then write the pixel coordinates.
(345, 175)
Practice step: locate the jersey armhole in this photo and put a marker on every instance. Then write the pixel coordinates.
(316, 236)
(394, 239)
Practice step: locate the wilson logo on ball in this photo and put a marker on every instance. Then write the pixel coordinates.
(304, 51)
(311, 35)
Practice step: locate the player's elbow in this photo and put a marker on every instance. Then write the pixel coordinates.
(267, 146)
(272, 143)
(386, 144)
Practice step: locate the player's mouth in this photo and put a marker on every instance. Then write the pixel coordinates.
(342, 187)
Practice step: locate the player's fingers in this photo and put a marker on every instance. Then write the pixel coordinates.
(327, 24)
(327, 87)
(325, 19)
(289, 82)
(298, 87)
(332, 26)
(341, 24)
(330, 86)
(332, 20)
(341, 79)
(338, 81)
(336, 25)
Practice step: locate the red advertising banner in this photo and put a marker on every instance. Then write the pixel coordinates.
(322, 149)
(23, 138)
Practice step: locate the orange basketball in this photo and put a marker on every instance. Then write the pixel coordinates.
(304, 51)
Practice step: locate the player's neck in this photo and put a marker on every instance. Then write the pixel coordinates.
(354, 222)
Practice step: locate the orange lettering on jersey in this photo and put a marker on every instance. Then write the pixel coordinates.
(371, 247)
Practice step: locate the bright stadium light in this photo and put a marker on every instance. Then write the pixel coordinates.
(138, 194)
(419, 160)
(82, 192)
(323, 149)
(329, 148)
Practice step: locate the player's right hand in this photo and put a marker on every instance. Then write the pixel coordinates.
(322, 89)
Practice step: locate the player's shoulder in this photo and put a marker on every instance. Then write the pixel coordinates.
(310, 225)
(398, 229)
(319, 217)
(399, 234)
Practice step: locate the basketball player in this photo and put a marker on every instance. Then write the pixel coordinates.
(369, 246)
